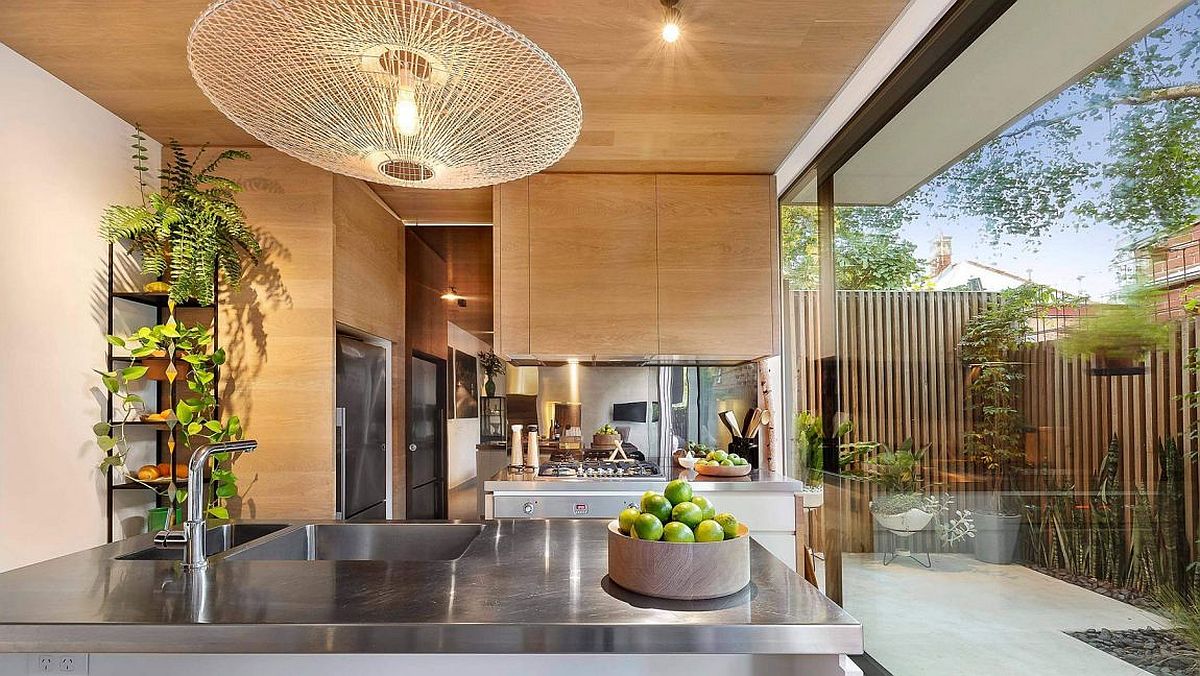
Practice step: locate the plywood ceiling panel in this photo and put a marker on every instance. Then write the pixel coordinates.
(732, 96)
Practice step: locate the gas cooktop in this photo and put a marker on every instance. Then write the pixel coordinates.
(599, 469)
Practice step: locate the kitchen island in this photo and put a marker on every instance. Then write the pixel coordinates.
(518, 587)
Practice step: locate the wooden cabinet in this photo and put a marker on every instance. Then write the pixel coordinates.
(592, 278)
(716, 265)
(627, 266)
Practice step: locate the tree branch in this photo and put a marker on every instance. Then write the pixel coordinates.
(1143, 97)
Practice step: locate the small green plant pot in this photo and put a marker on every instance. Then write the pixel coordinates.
(156, 519)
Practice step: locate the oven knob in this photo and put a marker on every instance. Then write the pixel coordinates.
(527, 508)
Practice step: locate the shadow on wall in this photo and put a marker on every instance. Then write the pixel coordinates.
(262, 291)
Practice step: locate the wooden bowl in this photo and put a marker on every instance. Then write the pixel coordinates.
(679, 570)
(718, 470)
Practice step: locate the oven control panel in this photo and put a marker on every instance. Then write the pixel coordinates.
(542, 506)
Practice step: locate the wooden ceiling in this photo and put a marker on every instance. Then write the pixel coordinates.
(732, 96)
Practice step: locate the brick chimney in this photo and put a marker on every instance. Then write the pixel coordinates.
(941, 255)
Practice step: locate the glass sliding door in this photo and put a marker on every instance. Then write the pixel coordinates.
(1002, 380)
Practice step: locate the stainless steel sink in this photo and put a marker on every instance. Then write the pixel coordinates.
(216, 539)
(365, 542)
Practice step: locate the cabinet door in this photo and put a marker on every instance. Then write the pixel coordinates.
(717, 280)
(592, 281)
(510, 268)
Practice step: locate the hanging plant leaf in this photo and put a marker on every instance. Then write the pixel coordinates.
(131, 373)
(226, 490)
(105, 442)
(219, 512)
(194, 428)
(184, 412)
(111, 384)
(214, 425)
(139, 352)
(115, 341)
(110, 461)
(101, 429)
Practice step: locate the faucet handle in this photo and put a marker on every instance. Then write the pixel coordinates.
(170, 539)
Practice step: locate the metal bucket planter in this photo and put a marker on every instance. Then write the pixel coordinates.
(996, 536)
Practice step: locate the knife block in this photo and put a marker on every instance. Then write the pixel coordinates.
(747, 447)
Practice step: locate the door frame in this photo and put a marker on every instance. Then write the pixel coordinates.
(389, 462)
(440, 364)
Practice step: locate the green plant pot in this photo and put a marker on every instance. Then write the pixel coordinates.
(156, 519)
(489, 387)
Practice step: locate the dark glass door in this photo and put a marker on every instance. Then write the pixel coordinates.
(426, 438)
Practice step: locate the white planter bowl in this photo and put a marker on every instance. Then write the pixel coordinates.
(904, 524)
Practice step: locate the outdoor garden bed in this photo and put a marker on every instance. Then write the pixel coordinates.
(1102, 587)
(1157, 651)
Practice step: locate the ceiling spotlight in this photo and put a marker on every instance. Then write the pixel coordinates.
(670, 29)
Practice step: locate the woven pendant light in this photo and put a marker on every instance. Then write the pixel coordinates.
(421, 93)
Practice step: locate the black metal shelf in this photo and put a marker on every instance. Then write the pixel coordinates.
(158, 300)
(133, 485)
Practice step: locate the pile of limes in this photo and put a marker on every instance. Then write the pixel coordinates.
(677, 515)
(723, 459)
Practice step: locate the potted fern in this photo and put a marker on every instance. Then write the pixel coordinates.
(187, 230)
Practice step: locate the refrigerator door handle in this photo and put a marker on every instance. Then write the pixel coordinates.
(340, 461)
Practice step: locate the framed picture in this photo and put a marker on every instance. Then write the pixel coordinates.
(466, 385)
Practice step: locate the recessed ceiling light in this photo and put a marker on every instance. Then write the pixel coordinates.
(670, 28)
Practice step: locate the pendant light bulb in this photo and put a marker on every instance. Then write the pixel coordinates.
(670, 29)
(408, 121)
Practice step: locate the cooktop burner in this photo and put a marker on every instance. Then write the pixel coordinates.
(598, 470)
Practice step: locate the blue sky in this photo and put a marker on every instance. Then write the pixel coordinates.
(1077, 256)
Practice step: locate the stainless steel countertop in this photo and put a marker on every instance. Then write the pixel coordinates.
(522, 586)
(760, 480)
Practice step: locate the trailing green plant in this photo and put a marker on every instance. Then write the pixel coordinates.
(194, 418)
(188, 230)
(987, 348)
(893, 471)
(1125, 330)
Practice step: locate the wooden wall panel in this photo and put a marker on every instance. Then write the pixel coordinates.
(278, 331)
(424, 309)
(716, 275)
(368, 293)
(510, 268)
(593, 287)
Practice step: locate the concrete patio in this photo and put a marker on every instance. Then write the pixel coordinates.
(968, 617)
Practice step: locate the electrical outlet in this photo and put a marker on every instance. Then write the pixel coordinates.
(58, 663)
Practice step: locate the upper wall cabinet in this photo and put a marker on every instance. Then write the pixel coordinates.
(628, 266)
(592, 278)
(717, 274)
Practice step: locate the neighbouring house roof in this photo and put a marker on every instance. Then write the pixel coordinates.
(975, 276)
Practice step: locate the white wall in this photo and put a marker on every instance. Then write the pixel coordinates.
(462, 434)
(64, 159)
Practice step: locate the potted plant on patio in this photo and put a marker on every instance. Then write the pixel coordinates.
(1118, 335)
(994, 442)
(903, 506)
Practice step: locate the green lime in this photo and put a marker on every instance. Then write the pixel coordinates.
(633, 534)
(687, 513)
(678, 491)
(712, 455)
(734, 457)
(727, 463)
(648, 527)
(707, 510)
(626, 519)
(720, 456)
(729, 524)
(741, 462)
(709, 531)
(678, 532)
(644, 496)
(659, 506)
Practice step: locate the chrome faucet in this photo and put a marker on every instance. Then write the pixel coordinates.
(191, 538)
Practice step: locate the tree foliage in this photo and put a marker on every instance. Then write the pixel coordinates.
(870, 252)
(1120, 146)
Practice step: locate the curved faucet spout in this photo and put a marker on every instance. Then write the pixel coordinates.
(194, 555)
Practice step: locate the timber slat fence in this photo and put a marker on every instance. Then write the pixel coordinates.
(900, 377)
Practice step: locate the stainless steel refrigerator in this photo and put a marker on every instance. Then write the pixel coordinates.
(362, 387)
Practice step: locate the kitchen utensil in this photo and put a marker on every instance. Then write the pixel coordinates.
(730, 421)
(679, 570)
